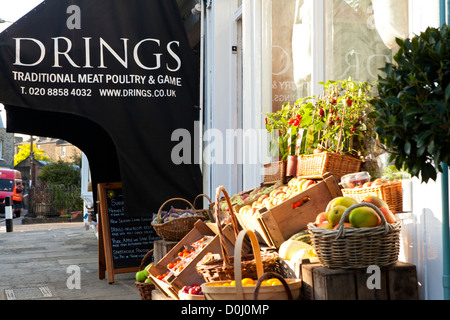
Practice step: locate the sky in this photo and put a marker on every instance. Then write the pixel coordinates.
(11, 11)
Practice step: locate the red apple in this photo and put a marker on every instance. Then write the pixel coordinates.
(321, 217)
(308, 184)
(378, 182)
(346, 224)
(367, 184)
(325, 225)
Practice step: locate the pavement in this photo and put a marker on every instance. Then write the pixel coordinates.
(56, 261)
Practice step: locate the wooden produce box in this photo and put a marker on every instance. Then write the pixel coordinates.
(276, 225)
(397, 282)
(162, 247)
(189, 275)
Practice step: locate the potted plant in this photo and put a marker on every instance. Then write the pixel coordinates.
(283, 125)
(338, 123)
(412, 116)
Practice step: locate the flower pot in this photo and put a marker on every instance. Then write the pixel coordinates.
(291, 166)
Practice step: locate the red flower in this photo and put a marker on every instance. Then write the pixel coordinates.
(291, 120)
(296, 122)
(349, 102)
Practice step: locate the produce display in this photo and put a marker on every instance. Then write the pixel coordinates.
(184, 257)
(364, 183)
(246, 282)
(358, 217)
(357, 179)
(166, 216)
(278, 195)
(245, 197)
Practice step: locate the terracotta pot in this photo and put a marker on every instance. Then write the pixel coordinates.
(291, 166)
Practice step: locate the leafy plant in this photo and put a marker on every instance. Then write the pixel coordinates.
(24, 152)
(60, 173)
(411, 113)
(283, 125)
(340, 122)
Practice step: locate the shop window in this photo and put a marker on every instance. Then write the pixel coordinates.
(319, 40)
(360, 36)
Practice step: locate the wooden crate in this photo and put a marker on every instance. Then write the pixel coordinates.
(276, 225)
(162, 247)
(397, 282)
(189, 274)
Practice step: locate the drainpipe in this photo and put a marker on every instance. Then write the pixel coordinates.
(444, 18)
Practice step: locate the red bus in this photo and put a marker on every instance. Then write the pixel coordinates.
(8, 180)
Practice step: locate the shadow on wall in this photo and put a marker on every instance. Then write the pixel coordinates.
(421, 236)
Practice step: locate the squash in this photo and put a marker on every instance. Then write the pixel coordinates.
(303, 236)
(290, 247)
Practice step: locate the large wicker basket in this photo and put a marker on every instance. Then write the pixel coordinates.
(205, 212)
(145, 289)
(316, 165)
(222, 269)
(289, 290)
(176, 229)
(391, 192)
(353, 248)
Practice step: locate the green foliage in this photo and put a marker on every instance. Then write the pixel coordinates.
(24, 152)
(411, 111)
(336, 121)
(60, 173)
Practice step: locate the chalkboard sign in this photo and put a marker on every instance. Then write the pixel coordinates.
(124, 240)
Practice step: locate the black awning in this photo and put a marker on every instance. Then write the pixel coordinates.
(116, 79)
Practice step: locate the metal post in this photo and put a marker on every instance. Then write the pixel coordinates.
(8, 215)
(444, 17)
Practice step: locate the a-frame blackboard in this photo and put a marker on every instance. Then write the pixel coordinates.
(123, 240)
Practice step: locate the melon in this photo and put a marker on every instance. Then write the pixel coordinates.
(290, 247)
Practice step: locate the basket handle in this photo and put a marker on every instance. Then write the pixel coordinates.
(141, 267)
(226, 258)
(341, 230)
(174, 199)
(201, 195)
(237, 260)
(269, 275)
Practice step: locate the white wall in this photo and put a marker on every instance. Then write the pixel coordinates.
(421, 236)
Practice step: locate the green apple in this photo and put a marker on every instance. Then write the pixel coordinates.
(335, 213)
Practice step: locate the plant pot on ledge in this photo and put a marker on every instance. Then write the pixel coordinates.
(291, 166)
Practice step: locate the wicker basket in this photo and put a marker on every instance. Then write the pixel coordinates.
(316, 165)
(176, 229)
(289, 290)
(222, 269)
(391, 192)
(205, 212)
(275, 172)
(353, 248)
(145, 289)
